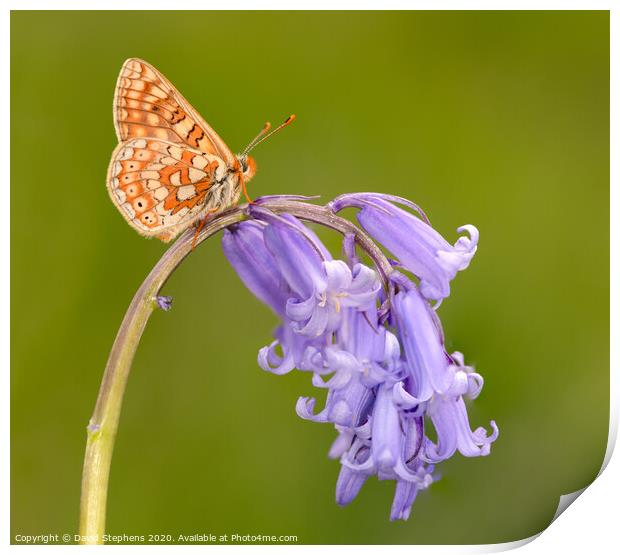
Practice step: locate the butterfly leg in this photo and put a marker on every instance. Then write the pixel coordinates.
(201, 223)
(245, 194)
(199, 226)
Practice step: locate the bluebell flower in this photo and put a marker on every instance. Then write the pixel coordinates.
(449, 416)
(424, 360)
(371, 339)
(244, 246)
(361, 356)
(286, 266)
(321, 286)
(417, 246)
(389, 445)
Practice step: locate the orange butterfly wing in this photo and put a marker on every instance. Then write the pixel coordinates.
(146, 104)
(162, 187)
(170, 167)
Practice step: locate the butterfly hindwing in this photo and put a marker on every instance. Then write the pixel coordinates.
(146, 104)
(161, 187)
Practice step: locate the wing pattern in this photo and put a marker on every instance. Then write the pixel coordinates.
(161, 187)
(146, 104)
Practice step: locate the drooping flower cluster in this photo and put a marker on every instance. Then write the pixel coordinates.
(374, 342)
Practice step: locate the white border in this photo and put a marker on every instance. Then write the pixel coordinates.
(205, 5)
(591, 522)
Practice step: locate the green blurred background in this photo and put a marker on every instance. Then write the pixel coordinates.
(500, 119)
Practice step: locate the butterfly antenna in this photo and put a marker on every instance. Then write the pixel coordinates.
(265, 134)
(261, 133)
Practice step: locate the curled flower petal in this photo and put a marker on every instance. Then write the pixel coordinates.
(458, 257)
(339, 360)
(483, 439)
(404, 399)
(305, 410)
(474, 385)
(365, 467)
(300, 310)
(296, 350)
(270, 361)
(364, 279)
(337, 381)
(404, 473)
(474, 380)
(315, 325)
(363, 290)
(373, 374)
(460, 385)
(467, 244)
(418, 247)
(453, 432)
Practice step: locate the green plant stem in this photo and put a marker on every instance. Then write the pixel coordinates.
(103, 425)
(101, 430)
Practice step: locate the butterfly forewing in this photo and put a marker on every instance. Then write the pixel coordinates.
(146, 104)
(161, 187)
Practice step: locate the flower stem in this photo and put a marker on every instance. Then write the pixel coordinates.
(101, 430)
(103, 425)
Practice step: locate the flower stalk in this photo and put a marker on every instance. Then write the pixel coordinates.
(103, 425)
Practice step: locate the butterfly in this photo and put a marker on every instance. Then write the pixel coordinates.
(170, 169)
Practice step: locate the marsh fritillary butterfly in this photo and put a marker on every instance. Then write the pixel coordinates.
(170, 169)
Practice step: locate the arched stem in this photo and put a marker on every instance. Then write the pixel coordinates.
(103, 425)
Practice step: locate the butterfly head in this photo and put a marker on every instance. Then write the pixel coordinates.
(248, 166)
